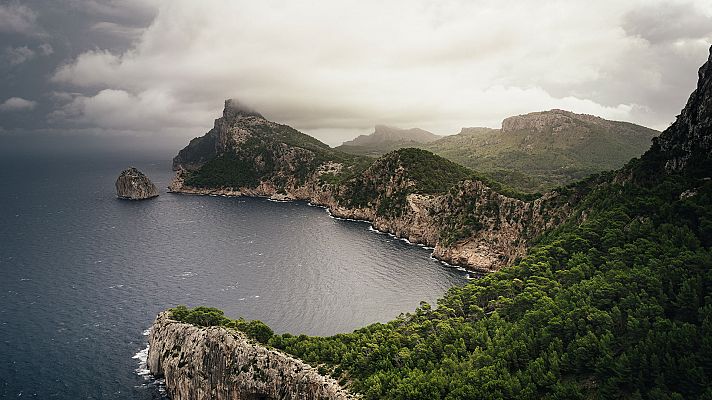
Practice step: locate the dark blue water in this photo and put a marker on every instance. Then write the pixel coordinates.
(82, 274)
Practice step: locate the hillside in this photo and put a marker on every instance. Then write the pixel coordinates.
(385, 139)
(614, 302)
(539, 151)
(411, 193)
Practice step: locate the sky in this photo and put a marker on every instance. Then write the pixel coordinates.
(156, 72)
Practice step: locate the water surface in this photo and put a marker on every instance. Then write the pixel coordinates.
(83, 274)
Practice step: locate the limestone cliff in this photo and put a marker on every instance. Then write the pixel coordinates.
(132, 184)
(218, 363)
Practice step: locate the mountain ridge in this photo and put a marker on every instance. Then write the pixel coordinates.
(404, 192)
(537, 151)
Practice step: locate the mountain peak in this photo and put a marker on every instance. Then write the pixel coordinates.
(234, 108)
(688, 141)
(543, 121)
(389, 134)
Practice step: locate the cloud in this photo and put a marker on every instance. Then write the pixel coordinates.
(18, 19)
(17, 104)
(119, 9)
(18, 55)
(114, 29)
(337, 68)
(118, 111)
(668, 22)
(46, 49)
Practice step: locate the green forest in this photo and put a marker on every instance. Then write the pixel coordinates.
(615, 303)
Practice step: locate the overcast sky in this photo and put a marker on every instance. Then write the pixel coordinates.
(161, 69)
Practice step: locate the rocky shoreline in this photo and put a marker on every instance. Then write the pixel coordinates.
(418, 226)
(201, 363)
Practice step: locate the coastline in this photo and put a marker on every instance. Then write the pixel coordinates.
(277, 198)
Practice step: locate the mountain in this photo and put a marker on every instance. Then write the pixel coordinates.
(411, 193)
(386, 138)
(537, 151)
(611, 300)
(542, 150)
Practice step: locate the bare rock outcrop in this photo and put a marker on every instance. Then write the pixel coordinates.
(218, 363)
(688, 141)
(132, 184)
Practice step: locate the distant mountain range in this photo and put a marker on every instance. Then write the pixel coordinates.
(532, 152)
(387, 138)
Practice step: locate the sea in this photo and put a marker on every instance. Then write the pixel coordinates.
(83, 274)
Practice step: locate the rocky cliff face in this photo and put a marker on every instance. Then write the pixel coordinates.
(559, 121)
(472, 225)
(217, 363)
(132, 184)
(688, 141)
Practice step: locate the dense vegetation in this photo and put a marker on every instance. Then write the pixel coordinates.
(208, 316)
(619, 306)
(615, 303)
(408, 171)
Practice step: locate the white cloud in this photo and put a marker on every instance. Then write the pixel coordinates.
(17, 104)
(18, 19)
(18, 55)
(119, 111)
(336, 68)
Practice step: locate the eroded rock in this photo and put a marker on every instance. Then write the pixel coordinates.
(132, 184)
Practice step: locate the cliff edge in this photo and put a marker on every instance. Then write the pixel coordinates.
(687, 143)
(217, 363)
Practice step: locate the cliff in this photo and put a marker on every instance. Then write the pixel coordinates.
(132, 184)
(219, 363)
(687, 143)
(406, 192)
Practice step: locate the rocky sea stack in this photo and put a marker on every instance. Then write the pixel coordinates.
(132, 184)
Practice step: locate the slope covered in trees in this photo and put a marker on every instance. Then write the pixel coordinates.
(614, 303)
(534, 152)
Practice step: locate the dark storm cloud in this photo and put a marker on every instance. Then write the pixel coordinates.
(668, 22)
(16, 18)
(334, 69)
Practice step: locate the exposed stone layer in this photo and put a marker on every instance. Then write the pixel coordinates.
(688, 141)
(132, 184)
(219, 364)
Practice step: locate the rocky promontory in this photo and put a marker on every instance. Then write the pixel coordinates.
(410, 193)
(220, 363)
(132, 184)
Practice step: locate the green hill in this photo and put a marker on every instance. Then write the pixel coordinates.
(536, 152)
(385, 139)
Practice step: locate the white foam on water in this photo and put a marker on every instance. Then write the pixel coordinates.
(143, 371)
(372, 229)
(142, 357)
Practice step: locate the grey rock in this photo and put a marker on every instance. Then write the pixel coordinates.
(687, 143)
(219, 363)
(132, 184)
